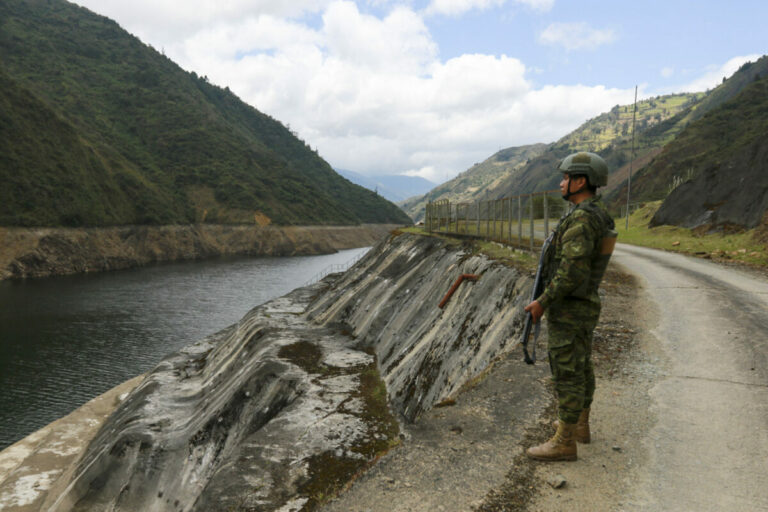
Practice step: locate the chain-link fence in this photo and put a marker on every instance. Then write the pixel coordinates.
(523, 220)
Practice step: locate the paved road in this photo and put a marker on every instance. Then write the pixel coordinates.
(708, 450)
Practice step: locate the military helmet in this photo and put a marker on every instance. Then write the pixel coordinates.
(586, 164)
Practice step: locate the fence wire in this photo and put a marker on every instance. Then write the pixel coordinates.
(522, 220)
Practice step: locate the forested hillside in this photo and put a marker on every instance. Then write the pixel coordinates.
(100, 129)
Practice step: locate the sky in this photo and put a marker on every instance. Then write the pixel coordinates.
(430, 87)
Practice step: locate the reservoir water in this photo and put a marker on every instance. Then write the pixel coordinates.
(65, 340)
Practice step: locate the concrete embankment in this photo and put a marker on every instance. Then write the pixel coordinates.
(40, 252)
(281, 410)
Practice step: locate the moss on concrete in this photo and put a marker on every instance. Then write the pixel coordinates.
(331, 473)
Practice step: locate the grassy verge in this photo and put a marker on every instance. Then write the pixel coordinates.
(744, 247)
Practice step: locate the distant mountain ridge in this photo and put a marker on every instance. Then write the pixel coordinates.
(661, 123)
(394, 187)
(475, 182)
(100, 129)
(524, 169)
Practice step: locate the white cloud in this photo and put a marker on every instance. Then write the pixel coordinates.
(400, 41)
(539, 5)
(714, 76)
(458, 7)
(667, 72)
(575, 36)
(163, 22)
(371, 93)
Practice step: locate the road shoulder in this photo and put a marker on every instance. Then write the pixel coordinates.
(627, 363)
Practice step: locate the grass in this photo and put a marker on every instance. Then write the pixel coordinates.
(741, 247)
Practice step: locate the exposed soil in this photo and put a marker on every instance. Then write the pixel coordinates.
(42, 252)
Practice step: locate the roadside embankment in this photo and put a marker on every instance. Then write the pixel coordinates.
(283, 409)
(41, 252)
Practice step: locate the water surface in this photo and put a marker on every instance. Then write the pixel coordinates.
(65, 340)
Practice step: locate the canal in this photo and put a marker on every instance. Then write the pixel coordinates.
(65, 340)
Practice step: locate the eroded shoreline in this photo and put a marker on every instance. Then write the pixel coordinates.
(43, 252)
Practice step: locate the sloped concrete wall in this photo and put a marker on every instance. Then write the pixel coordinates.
(389, 301)
(281, 409)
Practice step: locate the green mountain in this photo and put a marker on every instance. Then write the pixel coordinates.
(100, 129)
(527, 169)
(474, 183)
(660, 122)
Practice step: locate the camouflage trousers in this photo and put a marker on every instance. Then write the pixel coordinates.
(570, 325)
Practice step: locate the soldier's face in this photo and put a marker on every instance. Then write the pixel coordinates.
(576, 184)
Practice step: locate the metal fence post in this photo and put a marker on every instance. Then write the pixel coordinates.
(456, 218)
(477, 217)
(520, 220)
(546, 216)
(445, 216)
(530, 199)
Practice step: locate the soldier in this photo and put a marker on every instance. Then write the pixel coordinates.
(579, 255)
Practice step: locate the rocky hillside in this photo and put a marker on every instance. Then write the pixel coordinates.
(100, 129)
(719, 164)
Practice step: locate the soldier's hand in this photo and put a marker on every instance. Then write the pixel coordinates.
(535, 309)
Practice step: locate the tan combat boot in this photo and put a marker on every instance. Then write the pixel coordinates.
(581, 434)
(560, 447)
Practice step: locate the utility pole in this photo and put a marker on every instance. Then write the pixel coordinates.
(631, 158)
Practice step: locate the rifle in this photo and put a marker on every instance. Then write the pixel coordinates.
(538, 288)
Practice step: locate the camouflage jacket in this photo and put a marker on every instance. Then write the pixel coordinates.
(575, 266)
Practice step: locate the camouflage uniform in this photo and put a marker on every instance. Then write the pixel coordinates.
(573, 304)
